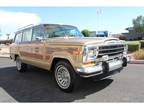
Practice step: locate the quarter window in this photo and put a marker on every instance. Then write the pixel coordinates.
(27, 35)
(18, 38)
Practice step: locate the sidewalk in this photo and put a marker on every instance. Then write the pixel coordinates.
(4, 51)
(5, 96)
(4, 55)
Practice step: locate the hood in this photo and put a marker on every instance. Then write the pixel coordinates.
(83, 40)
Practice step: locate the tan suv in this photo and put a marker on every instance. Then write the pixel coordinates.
(62, 49)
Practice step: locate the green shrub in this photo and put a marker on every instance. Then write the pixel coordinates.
(85, 32)
(133, 46)
(142, 43)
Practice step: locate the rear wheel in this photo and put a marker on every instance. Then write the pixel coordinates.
(21, 67)
(65, 76)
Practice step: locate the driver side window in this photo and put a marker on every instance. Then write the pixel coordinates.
(58, 34)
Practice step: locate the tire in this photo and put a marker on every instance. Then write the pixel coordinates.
(21, 67)
(65, 76)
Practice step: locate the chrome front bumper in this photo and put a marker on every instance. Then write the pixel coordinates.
(98, 69)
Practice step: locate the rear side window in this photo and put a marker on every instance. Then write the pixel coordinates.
(27, 34)
(18, 38)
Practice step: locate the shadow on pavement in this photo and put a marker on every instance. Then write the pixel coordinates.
(37, 85)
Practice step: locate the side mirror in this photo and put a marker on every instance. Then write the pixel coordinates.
(39, 38)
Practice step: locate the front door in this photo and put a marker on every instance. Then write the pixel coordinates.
(38, 47)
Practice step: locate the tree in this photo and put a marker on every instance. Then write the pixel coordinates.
(138, 24)
(85, 32)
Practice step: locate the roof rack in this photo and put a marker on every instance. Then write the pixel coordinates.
(30, 25)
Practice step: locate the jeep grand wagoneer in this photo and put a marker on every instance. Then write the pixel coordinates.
(62, 49)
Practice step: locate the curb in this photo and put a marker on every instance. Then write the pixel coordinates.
(2, 56)
(136, 62)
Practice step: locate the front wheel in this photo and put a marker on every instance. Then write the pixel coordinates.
(65, 76)
(21, 67)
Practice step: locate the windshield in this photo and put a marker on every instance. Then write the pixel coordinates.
(63, 31)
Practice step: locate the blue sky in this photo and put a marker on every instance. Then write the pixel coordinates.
(113, 19)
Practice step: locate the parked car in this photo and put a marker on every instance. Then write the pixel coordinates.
(62, 49)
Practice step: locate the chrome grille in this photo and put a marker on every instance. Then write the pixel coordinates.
(110, 50)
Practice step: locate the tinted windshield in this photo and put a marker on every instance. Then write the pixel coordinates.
(63, 31)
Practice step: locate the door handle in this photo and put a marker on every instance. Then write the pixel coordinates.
(36, 49)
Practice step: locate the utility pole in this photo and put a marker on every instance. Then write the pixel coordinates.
(99, 12)
(7, 36)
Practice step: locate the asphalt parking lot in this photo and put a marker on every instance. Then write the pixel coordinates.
(37, 85)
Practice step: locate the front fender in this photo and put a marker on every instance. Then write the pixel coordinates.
(67, 56)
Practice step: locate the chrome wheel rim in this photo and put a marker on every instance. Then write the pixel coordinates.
(62, 76)
(18, 64)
